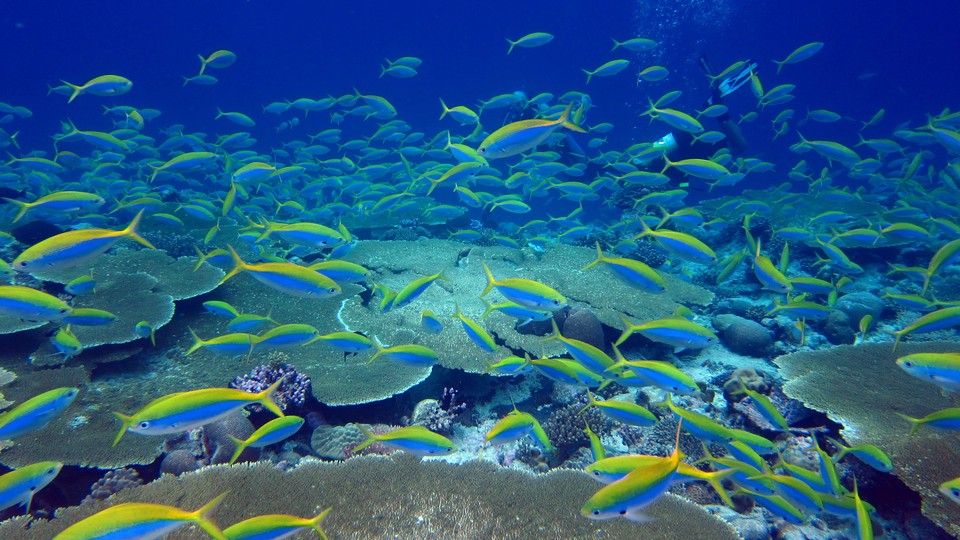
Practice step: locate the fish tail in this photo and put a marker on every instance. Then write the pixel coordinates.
(488, 310)
(926, 277)
(201, 258)
(315, 522)
(76, 90)
(237, 262)
(444, 113)
(556, 330)
(203, 64)
(131, 231)
(268, 227)
(616, 44)
(202, 517)
(219, 113)
(371, 438)
(490, 280)
(667, 165)
(241, 445)
(779, 65)
(917, 422)
(265, 398)
(628, 329)
(376, 343)
(589, 74)
(197, 342)
(565, 122)
(126, 420)
(591, 401)
(24, 207)
(512, 45)
(599, 259)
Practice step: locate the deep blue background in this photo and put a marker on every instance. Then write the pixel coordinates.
(292, 49)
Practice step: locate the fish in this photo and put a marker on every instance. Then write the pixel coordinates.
(237, 118)
(232, 344)
(679, 244)
(951, 489)
(248, 322)
(18, 487)
(608, 69)
(609, 470)
(943, 419)
(35, 413)
(221, 308)
(676, 332)
(586, 354)
(663, 375)
(143, 521)
(699, 425)
(461, 114)
(622, 411)
(864, 526)
(88, 317)
(416, 440)
(533, 39)
(942, 369)
(183, 411)
(525, 292)
(72, 248)
(430, 323)
(653, 74)
(286, 335)
(59, 201)
(514, 426)
(145, 329)
(637, 44)
(274, 526)
(867, 453)
(673, 118)
(348, 342)
(217, 59)
(931, 322)
(523, 314)
(635, 273)
(518, 137)
(104, 85)
(28, 304)
(414, 289)
(596, 446)
(286, 277)
(628, 496)
(81, 286)
(480, 337)
(66, 343)
(411, 355)
(273, 432)
(765, 407)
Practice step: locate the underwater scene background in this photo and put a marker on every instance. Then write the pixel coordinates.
(503, 270)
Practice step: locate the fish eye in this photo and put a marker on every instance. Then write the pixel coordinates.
(49, 471)
(956, 492)
(144, 425)
(64, 310)
(908, 364)
(623, 512)
(332, 290)
(33, 488)
(24, 263)
(596, 512)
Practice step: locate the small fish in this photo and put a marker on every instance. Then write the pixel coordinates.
(286, 277)
(410, 355)
(143, 521)
(414, 289)
(637, 44)
(799, 54)
(514, 426)
(765, 407)
(223, 309)
(609, 470)
(273, 432)
(35, 413)
(348, 342)
(183, 411)
(931, 322)
(628, 496)
(864, 526)
(430, 323)
(663, 375)
(523, 314)
(518, 137)
(59, 201)
(679, 244)
(586, 354)
(217, 59)
(88, 317)
(511, 365)
(676, 332)
(341, 271)
(66, 343)
(534, 39)
(286, 335)
(635, 273)
(232, 344)
(526, 292)
(72, 248)
(104, 85)
(480, 337)
(274, 526)
(942, 419)
(30, 304)
(608, 69)
(596, 447)
(81, 286)
(622, 411)
(951, 489)
(145, 329)
(249, 322)
(416, 440)
(18, 487)
(867, 453)
(699, 425)
(653, 74)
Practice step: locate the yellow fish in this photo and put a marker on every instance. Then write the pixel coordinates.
(517, 137)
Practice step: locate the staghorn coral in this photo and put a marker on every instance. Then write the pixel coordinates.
(861, 388)
(378, 497)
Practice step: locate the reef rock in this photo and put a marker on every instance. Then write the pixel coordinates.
(743, 336)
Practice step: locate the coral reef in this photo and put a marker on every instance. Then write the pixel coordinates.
(861, 388)
(582, 324)
(293, 391)
(377, 497)
(113, 482)
(438, 415)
